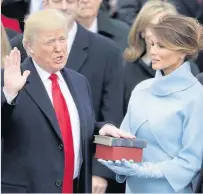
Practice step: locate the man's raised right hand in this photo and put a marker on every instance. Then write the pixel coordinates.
(13, 78)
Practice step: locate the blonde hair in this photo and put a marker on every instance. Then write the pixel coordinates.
(179, 33)
(137, 45)
(44, 20)
(5, 45)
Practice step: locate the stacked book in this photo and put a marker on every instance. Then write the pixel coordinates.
(110, 148)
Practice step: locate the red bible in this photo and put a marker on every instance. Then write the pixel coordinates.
(109, 148)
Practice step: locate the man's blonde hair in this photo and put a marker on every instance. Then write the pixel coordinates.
(44, 20)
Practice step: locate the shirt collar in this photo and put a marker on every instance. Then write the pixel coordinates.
(180, 79)
(44, 75)
(94, 26)
(71, 35)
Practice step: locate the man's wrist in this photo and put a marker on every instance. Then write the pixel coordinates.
(9, 92)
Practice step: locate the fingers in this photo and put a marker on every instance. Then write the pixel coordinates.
(125, 134)
(118, 163)
(26, 74)
(99, 185)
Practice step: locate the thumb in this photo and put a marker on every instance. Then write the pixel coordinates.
(26, 74)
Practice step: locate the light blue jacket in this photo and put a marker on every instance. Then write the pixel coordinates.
(167, 111)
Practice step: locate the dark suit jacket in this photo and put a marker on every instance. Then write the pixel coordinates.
(32, 155)
(199, 188)
(11, 33)
(100, 61)
(114, 29)
(127, 10)
(200, 78)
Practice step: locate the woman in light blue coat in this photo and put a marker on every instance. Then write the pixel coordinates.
(167, 111)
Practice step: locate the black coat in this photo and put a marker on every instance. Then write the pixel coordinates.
(114, 29)
(11, 33)
(127, 10)
(32, 158)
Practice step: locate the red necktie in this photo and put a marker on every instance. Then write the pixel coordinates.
(63, 117)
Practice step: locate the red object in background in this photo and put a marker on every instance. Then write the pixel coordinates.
(118, 153)
(10, 23)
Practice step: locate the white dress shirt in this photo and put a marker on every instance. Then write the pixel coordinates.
(35, 5)
(71, 36)
(94, 26)
(73, 112)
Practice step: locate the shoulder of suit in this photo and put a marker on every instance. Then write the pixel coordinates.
(74, 74)
(100, 41)
(121, 27)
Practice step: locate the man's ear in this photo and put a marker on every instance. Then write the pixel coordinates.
(28, 47)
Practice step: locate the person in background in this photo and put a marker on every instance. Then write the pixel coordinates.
(127, 10)
(5, 46)
(167, 112)
(18, 9)
(100, 22)
(138, 61)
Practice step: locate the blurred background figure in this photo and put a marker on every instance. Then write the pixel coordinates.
(5, 46)
(18, 9)
(138, 67)
(100, 22)
(127, 10)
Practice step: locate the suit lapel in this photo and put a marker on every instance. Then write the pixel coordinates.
(78, 103)
(78, 52)
(38, 93)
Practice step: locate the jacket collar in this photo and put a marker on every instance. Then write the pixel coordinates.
(178, 80)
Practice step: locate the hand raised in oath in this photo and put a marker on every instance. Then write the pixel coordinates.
(14, 80)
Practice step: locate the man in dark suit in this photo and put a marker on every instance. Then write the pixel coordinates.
(48, 120)
(100, 22)
(100, 61)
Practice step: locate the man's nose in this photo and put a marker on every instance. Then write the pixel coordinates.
(64, 5)
(58, 46)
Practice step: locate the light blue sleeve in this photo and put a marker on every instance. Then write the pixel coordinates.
(180, 171)
(125, 126)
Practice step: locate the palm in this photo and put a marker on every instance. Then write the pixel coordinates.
(13, 79)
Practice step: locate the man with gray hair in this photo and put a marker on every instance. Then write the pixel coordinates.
(48, 120)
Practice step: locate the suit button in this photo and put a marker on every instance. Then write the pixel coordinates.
(61, 146)
(58, 183)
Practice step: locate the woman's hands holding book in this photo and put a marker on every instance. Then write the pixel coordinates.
(129, 168)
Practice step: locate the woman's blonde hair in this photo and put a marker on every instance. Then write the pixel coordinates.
(137, 45)
(5, 45)
(179, 33)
